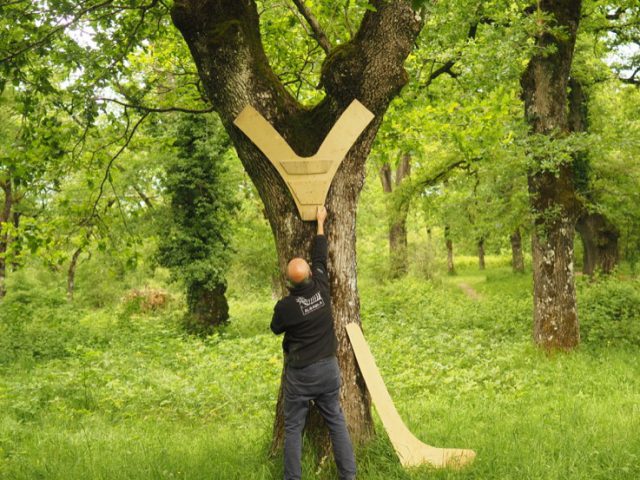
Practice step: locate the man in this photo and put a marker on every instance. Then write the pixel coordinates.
(311, 366)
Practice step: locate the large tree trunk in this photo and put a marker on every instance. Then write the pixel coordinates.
(600, 243)
(517, 258)
(224, 39)
(397, 211)
(208, 307)
(552, 192)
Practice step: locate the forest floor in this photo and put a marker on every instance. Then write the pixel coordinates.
(470, 291)
(119, 393)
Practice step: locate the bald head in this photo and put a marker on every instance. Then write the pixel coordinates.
(298, 271)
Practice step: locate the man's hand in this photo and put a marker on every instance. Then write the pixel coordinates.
(321, 216)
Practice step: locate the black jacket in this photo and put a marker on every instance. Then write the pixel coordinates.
(305, 314)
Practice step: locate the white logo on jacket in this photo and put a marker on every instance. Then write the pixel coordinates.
(308, 305)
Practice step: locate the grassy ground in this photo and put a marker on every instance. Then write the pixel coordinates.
(113, 393)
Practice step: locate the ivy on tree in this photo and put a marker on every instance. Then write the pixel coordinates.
(195, 234)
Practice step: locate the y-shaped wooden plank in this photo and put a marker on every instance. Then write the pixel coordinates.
(308, 178)
(411, 451)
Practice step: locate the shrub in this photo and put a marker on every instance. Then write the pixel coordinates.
(146, 299)
(32, 319)
(609, 311)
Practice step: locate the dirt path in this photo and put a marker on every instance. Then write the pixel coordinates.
(470, 291)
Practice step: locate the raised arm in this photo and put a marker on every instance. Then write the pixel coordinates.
(321, 216)
(319, 249)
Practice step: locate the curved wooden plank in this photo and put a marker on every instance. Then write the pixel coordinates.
(411, 451)
(308, 179)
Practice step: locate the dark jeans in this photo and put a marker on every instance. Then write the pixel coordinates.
(319, 382)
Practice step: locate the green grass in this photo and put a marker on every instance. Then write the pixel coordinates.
(125, 395)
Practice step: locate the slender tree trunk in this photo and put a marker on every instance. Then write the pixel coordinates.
(481, 263)
(397, 211)
(5, 215)
(224, 39)
(451, 270)
(552, 192)
(517, 258)
(398, 248)
(71, 273)
(16, 246)
(600, 243)
(3, 268)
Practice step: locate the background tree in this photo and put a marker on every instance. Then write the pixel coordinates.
(195, 234)
(613, 172)
(33, 141)
(599, 236)
(552, 191)
(397, 211)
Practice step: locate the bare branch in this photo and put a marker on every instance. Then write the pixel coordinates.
(632, 79)
(147, 201)
(122, 215)
(153, 110)
(615, 15)
(138, 190)
(441, 175)
(318, 33)
(449, 64)
(446, 68)
(113, 159)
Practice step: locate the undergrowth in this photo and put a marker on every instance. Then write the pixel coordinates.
(121, 393)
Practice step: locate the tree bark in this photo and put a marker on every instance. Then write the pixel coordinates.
(208, 307)
(224, 39)
(481, 264)
(451, 270)
(600, 243)
(517, 258)
(552, 192)
(397, 211)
